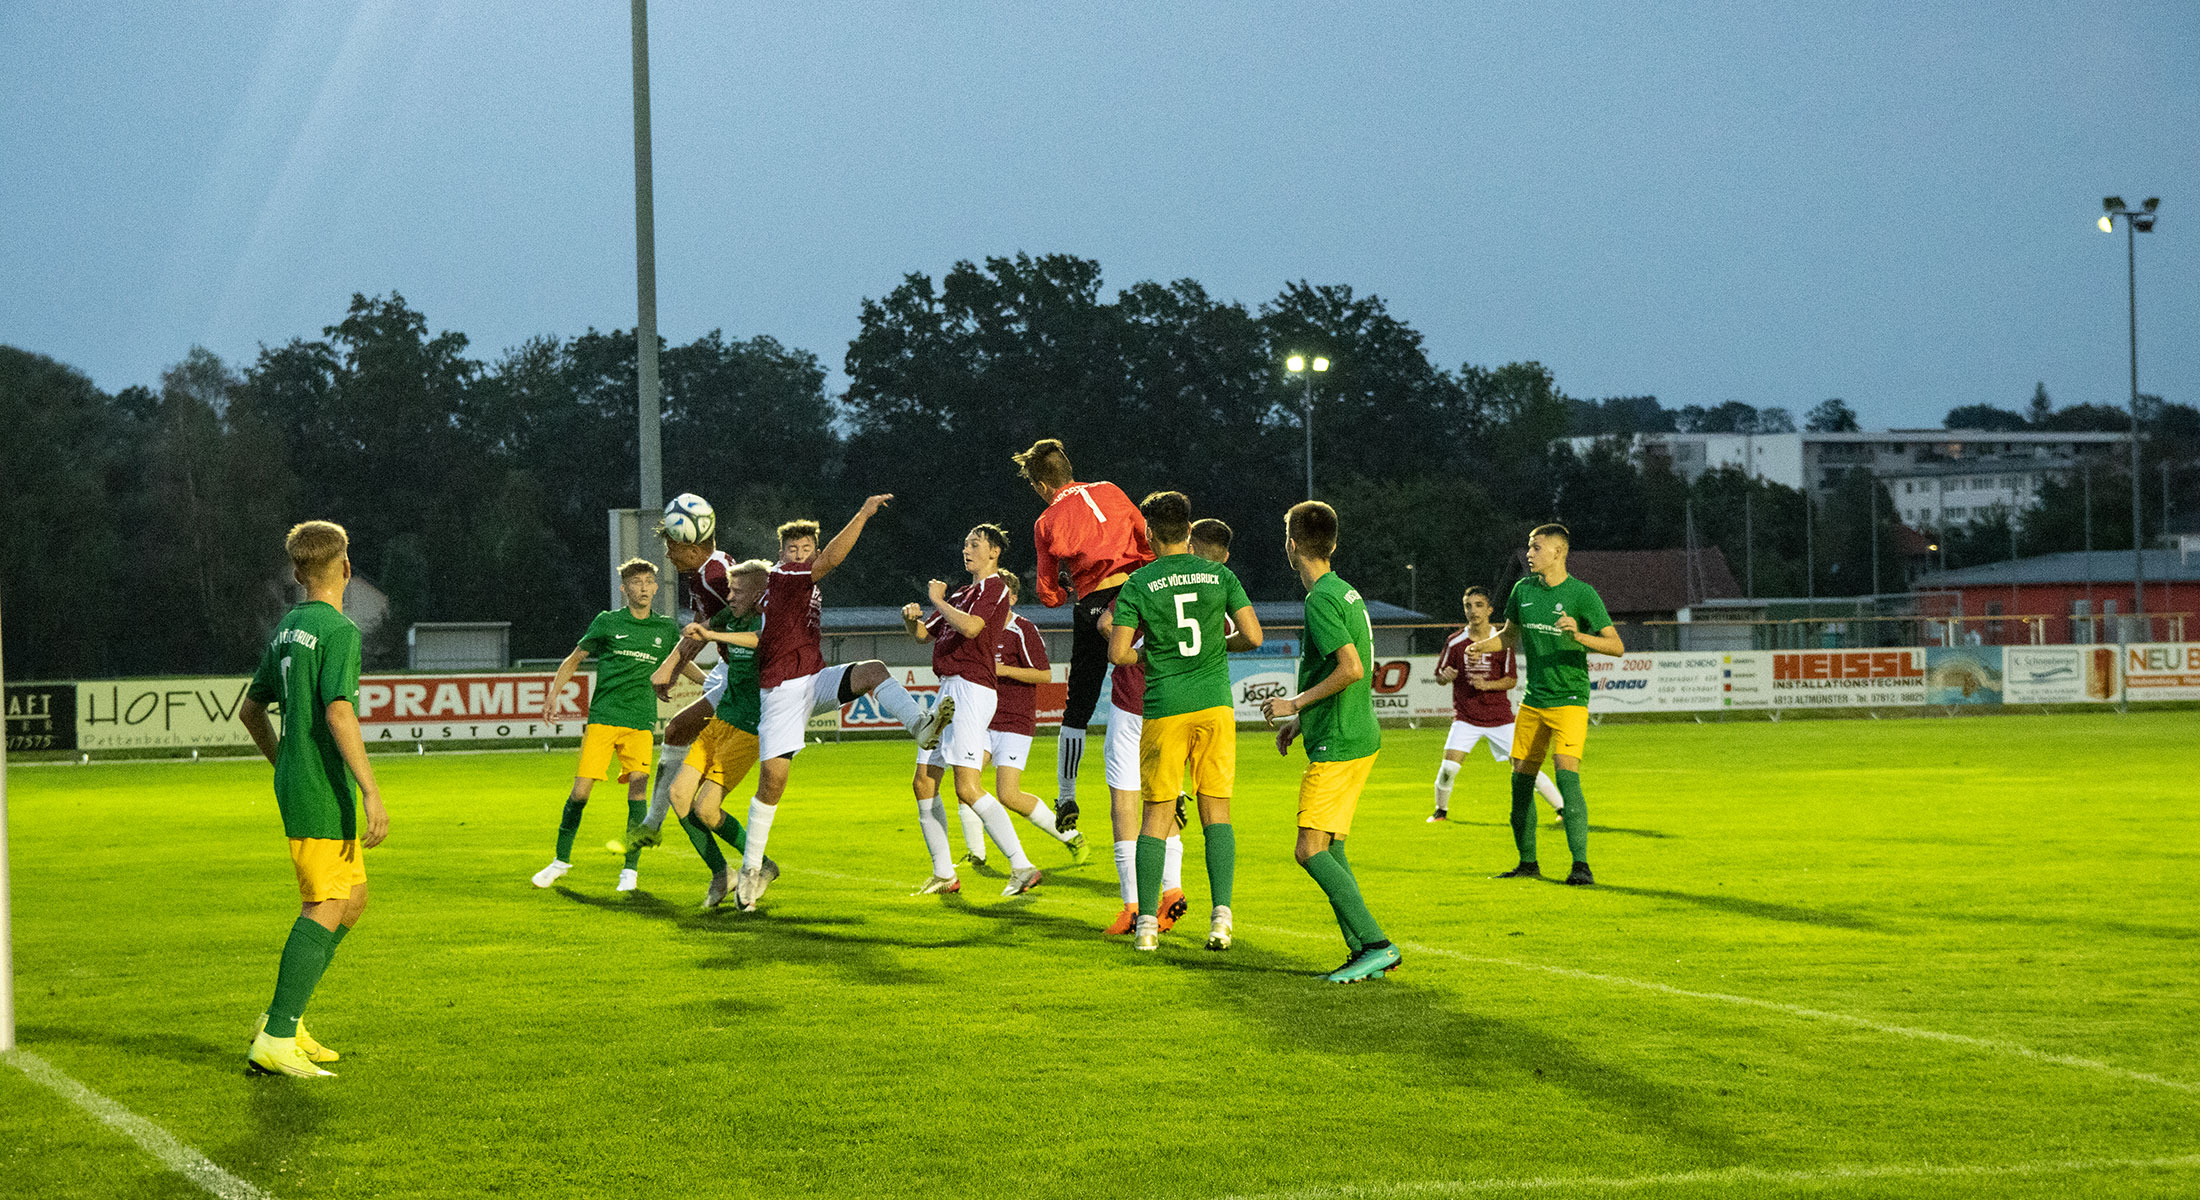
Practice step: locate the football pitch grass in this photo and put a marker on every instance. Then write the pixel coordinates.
(1840, 958)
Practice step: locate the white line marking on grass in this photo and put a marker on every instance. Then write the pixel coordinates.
(1727, 1175)
(158, 1142)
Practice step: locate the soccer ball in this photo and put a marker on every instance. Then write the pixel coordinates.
(689, 518)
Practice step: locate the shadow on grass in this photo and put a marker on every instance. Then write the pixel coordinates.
(1763, 910)
(1558, 827)
(2174, 933)
(176, 1047)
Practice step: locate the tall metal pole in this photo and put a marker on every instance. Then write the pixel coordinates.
(2138, 557)
(2092, 624)
(1749, 549)
(1310, 435)
(649, 432)
(1810, 552)
(1875, 545)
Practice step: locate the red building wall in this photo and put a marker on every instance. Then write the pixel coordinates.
(2057, 601)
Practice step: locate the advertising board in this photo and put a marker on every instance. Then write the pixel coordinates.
(2058, 674)
(2162, 670)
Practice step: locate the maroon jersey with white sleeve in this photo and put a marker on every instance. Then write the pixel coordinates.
(707, 589)
(970, 657)
(1469, 704)
(1127, 687)
(1021, 646)
(794, 621)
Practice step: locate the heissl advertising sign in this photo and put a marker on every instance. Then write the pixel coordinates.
(1820, 678)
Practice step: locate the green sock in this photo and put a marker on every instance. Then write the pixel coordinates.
(1523, 815)
(700, 838)
(1577, 814)
(1221, 862)
(305, 956)
(1151, 852)
(635, 811)
(1344, 893)
(337, 939)
(730, 830)
(1336, 851)
(569, 824)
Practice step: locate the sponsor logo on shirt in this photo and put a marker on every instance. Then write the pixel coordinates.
(297, 637)
(1181, 579)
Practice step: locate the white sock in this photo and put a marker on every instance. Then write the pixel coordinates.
(1445, 774)
(1172, 863)
(1003, 830)
(1549, 791)
(760, 832)
(1043, 817)
(660, 799)
(932, 821)
(1067, 754)
(895, 701)
(973, 831)
(1126, 870)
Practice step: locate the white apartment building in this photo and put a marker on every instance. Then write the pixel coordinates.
(1940, 478)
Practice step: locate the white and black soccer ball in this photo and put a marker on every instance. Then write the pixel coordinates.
(689, 518)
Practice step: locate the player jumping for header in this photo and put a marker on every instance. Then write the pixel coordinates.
(1094, 532)
(1549, 617)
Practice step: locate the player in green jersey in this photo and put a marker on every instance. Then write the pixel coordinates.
(723, 752)
(311, 671)
(1179, 603)
(1549, 617)
(628, 644)
(1335, 711)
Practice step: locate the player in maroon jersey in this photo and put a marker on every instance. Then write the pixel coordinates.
(794, 681)
(1481, 711)
(1093, 531)
(1018, 670)
(965, 632)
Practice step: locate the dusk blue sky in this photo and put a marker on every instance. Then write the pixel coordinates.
(1889, 203)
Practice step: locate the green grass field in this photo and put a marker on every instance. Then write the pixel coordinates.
(1754, 1001)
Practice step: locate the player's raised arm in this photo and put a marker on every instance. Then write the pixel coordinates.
(912, 620)
(966, 624)
(844, 541)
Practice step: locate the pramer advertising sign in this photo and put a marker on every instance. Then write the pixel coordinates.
(466, 708)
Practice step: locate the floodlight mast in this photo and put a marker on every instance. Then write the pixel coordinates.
(2136, 222)
(7, 937)
(650, 430)
(1297, 364)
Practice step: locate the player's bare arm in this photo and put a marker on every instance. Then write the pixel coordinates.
(966, 624)
(1503, 637)
(1349, 670)
(253, 716)
(912, 620)
(343, 723)
(1123, 645)
(556, 703)
(1287, 733)
(836, 551)
(701, 633)
(1603, 641)
(1248, 630)
(1023, 674)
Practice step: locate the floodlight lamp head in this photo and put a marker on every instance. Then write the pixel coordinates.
(2107, 226)
(1320, 363)
(2143, 224)
(2152, 203)
(1295, 364)
(2114, 204)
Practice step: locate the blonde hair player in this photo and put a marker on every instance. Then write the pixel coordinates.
(311, 669)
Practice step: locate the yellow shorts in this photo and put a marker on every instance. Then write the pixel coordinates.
(1205, 741)
(1537, 731)
(1329, 792)
(722, 754)
(600, 742)
(327, 868)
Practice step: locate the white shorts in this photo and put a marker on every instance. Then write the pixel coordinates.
(1463, 737)
(714, 685)
(965, 740)
(1121, 748)
(785, 722)
(1011, 750)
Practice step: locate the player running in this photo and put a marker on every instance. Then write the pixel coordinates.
(1479, 710)
(628, 643)
(1179, 603)
(1549, 616)
(795, 682)
(965, 632)
(1335, 711)
(1018, 670)
(311, 670)
(1094, 532)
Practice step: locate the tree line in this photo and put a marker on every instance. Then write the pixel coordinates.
(476, 488)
